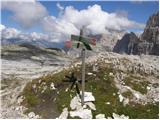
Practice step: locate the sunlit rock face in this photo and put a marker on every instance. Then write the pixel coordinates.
(147, 43)
(150, 36)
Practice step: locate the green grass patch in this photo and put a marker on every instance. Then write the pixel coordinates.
(138, 85)
(127, 94)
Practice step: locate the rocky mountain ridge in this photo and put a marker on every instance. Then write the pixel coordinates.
(147, 43)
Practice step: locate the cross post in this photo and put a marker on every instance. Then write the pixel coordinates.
(85, 41)
(83, 75)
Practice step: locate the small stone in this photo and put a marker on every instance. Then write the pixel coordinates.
(31, 115)
(66, 90)
(84, 106)
(90, 73)
(110, 74)
(52, 87)
(20, 99)
(148, 88)
(120, 98)
(17, 108)
(108, 103)
(100, 116)
(88, 97)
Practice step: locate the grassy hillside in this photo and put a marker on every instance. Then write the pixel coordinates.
(49, 103)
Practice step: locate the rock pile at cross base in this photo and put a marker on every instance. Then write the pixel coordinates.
(85, 111)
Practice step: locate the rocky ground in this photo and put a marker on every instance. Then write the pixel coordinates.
(15, 75)
(18, 68)
(121, 84)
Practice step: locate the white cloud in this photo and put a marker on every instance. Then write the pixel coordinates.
(2, 27)
(59, 6)
(93, 18)
(9, 33)
(26, 13)
(70, 20)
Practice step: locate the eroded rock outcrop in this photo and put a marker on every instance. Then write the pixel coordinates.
(128, 44)
(150, 38)
(147, 43)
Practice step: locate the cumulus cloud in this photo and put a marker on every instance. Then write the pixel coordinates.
(27, 13)
(10, 33)
(95, 20)
(70, 20)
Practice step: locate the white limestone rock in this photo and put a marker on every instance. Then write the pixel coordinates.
(89, 73)
(100, 116)
(91, 105)
(64, 114)
(20, 99)
(148, 88)
(120, 98)
(137, 95)
(82, 113)
(67, 89)
(75, 103)
(110, 74)
(52, 87)
(116, 116)
(31, 115)
(108, 103)
(88, 97)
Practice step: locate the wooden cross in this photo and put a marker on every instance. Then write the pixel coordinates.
(85, 41)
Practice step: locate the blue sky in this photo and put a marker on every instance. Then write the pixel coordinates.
(137, 11)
